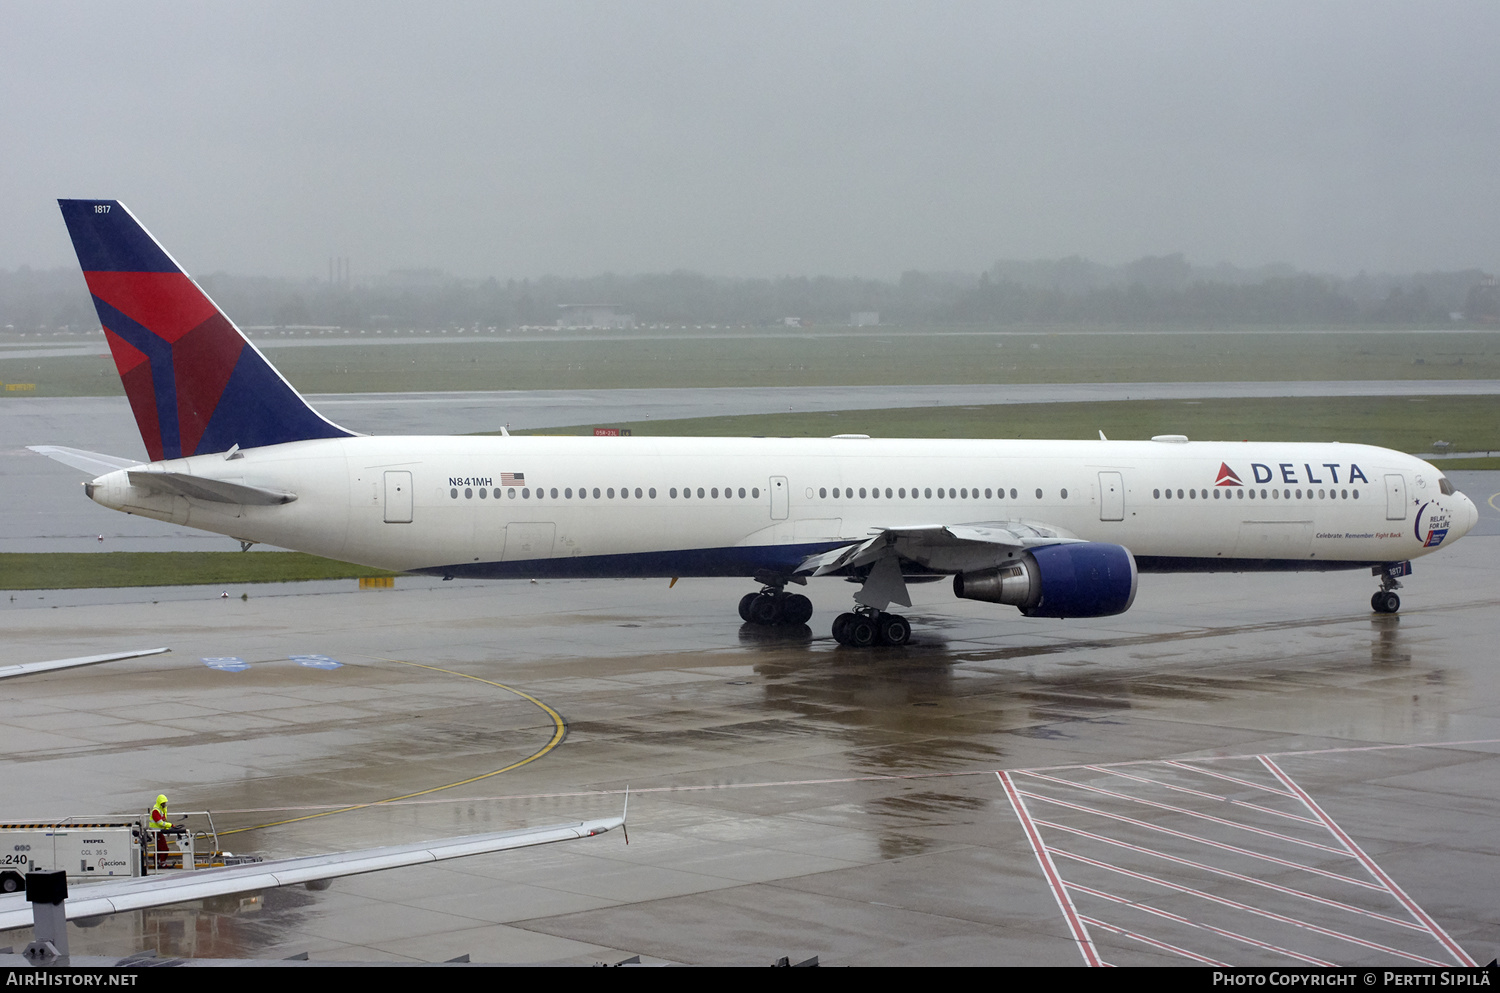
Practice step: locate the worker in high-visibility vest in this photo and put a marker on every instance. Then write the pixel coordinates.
(159, 819)
(161, 823)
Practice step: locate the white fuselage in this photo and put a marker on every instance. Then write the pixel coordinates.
(539, 506)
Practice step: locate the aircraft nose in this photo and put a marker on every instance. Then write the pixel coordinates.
(1467, 515)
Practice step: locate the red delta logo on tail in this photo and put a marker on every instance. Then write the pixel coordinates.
(1227, 476)
(195, 383)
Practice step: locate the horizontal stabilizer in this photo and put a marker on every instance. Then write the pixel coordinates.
(28, 668)
(93, 463)
(212, 490)
(97, 899)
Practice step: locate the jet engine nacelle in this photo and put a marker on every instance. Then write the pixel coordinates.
(1079, 579)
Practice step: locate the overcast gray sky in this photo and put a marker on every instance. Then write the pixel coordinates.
(753, 139)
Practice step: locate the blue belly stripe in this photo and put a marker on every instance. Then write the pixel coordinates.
(738, 560)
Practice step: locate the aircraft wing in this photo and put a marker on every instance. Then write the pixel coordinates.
(93, 463)
(27, 668)
(138, 893)
(938, 548)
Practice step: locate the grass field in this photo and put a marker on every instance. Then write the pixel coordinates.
(1409, 424)
(826, 357)
(90, 570)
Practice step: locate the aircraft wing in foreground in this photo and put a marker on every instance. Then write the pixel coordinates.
(141, 892)
(29, 668)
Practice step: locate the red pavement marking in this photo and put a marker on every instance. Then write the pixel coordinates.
(1164, 946)
(1064, 902)
(1223, 901)
(1274, 887)
(1233, 779)
(1205, 841)
(1189, 813)
(1429, 924)
(1178, 918)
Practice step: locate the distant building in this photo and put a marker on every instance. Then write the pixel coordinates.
(864, 318)
(593, 315)
(792, 322)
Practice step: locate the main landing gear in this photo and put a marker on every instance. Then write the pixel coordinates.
(866, 626)
(1385, 600)
(773, 605)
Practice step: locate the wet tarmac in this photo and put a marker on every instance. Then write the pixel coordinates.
(1242, 769)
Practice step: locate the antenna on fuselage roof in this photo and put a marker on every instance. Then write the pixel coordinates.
(1101, 435)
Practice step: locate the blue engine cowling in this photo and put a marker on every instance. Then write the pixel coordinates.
(1078, 579)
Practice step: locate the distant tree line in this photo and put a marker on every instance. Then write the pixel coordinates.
(1161, 290)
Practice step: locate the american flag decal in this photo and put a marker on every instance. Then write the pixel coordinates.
(513, 479)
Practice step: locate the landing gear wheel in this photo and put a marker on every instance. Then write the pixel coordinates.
(766, 610)
(894, 629)
(746, 602)
(841, 628)
(861, 631)
(797, 609)
(12, 882)
(1385, 602)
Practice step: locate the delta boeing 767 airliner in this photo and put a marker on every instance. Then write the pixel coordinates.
(1054, 528)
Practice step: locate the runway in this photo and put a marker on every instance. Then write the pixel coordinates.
(1242, 769)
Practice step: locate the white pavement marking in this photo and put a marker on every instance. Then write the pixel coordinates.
(1179, 919)
(1283, 786)
(1054, 880)
(1411, 905)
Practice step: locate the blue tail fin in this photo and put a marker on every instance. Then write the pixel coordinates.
(196, 384)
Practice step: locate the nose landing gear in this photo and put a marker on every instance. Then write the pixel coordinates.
(1385, 600)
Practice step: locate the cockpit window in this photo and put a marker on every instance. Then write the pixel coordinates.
(1445, 487)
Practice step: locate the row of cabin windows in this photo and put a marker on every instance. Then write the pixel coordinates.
(1238, 493)
(927, 493)
(607, 493)
(729, 493)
